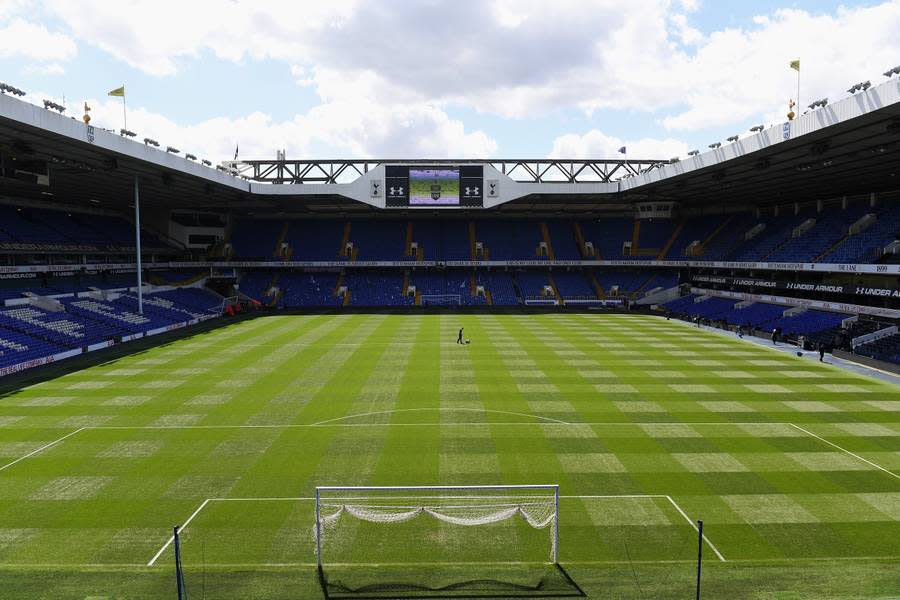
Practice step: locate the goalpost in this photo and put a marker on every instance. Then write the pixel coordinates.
(503, 507)
(441, 299)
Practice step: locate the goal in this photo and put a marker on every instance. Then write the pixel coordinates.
(441, 300)
(437, 524)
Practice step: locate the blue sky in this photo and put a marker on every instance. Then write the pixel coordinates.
(511, 78)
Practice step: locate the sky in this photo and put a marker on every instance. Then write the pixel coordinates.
(442, 78)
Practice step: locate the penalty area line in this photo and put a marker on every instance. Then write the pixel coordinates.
(694, 525)
(172, 538)
(854, 455)
(41, 449)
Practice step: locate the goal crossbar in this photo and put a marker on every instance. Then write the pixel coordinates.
(357, 506)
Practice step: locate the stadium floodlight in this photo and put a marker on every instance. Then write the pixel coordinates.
(4, 88)
(732, 138)
(463, 511)
(715, 145)
(127, 133)
(206, 163)
(172, 150)
(151, 142)
(674, 159)
(892, 72)
(51, 105)
(860, 87)
(221, 168)
(822, 102)
(190, 156)
(693, 153)
(757, 128)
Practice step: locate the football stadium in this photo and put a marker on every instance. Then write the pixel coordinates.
(610, 377)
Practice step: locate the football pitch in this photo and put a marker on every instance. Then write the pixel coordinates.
(646, 425)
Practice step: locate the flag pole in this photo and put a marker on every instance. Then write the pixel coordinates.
(798, 90)
(125, 112)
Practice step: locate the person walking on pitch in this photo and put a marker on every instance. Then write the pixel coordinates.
(459, 340)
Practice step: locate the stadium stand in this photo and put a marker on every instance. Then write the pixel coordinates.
(376, 288)
(17, 347)
(808, 236)
(886, 349)
(309, 289)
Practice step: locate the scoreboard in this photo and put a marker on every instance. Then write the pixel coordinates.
(433, 186)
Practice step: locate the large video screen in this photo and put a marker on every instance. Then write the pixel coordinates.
(434, 186)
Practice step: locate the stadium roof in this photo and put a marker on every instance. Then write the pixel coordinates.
(848, 147)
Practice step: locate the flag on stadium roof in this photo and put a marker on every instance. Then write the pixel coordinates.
(795, 64)
(119, 91)
(622, 150)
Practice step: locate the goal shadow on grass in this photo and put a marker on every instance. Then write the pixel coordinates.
(447, 581)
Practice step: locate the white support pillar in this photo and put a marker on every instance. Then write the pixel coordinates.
(137, 238)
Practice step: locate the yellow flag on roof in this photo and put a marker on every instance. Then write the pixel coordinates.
(119, 91)
(795, 64)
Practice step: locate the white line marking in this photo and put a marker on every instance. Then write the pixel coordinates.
(312, 498)
(460, 424)
(694, 525)
(857, 456)
(480, 410)
(41, 449)
(182, 528)
(693, 561)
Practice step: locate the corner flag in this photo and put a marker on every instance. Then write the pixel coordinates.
(119, 92)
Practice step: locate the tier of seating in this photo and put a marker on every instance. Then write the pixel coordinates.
(23, 228)
(29, 332)
(807, 236)
(382, 287)
(886, 349)
(758, 315)
(54, 286)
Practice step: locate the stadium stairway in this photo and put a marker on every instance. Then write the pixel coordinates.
(545, 234)
(407, 245)
(712, 236)
(345, 238)
(556, 294)
(338, 283)
(671, 240)
(272, 285)
(579, 240)
(286, 254)
(601, 294)
(831, 248)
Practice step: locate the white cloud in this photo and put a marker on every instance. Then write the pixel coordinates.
(21, 39)
(385, 74)
(596, 143)
(153, 35)
(741, 74)
(356, 128)
(45, 69)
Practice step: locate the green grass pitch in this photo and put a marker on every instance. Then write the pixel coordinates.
(646, 425)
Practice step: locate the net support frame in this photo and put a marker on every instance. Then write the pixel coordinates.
(554, 557)
(440, 298)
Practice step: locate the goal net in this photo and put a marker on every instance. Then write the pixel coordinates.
(441, 300)
(428, 524)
